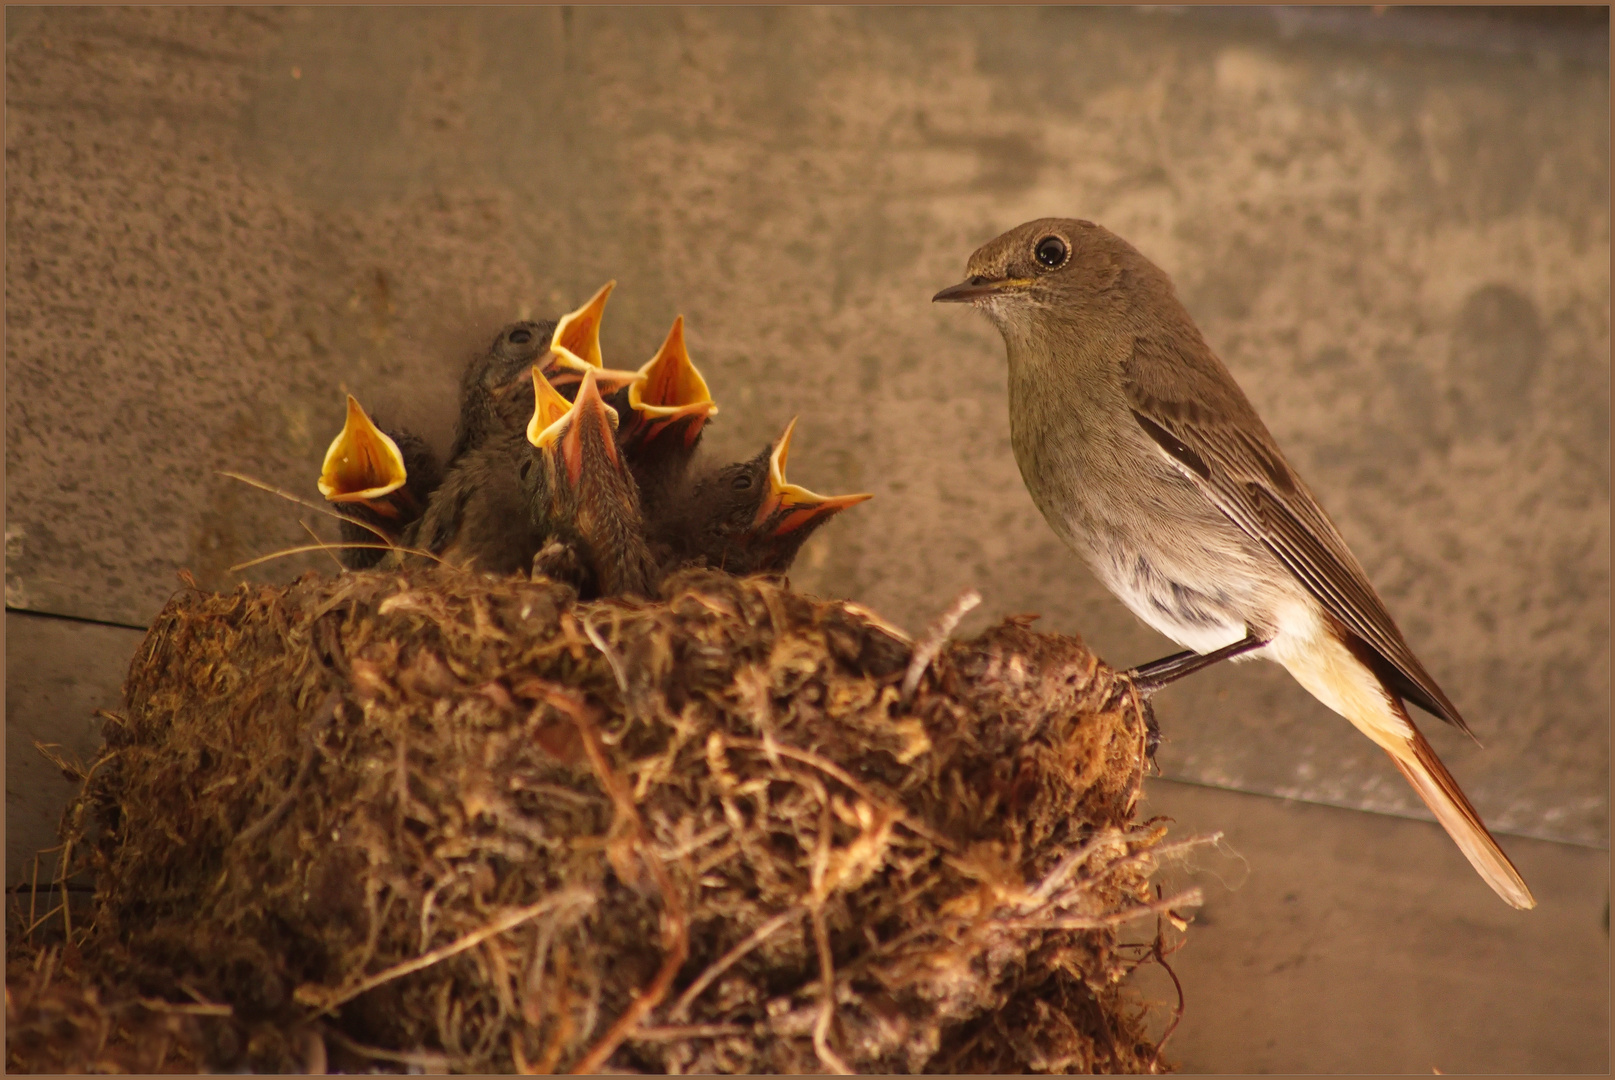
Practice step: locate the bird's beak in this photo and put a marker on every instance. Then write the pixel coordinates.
(979, 288)
(549, 407)
(787, 507)
(577, 335)
(588, 424)
(568, 369)
(363, 464)
(671, 389)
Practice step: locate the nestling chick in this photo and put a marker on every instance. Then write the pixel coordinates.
(579, 489)
(494, 393)
(663, 414)
(379, 478)
(744, 517)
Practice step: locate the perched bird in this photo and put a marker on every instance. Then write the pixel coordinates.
(745, 517)
(579, 490)
(663, 413)
(1146, 458)
(382, 480)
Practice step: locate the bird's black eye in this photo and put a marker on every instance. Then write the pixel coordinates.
(1051, 252)
(741, 482)
(520, 337)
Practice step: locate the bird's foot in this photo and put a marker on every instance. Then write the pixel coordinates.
(1169, 669)
(1152, 735)
(559, 561)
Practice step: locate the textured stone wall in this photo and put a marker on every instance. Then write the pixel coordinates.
(219, 219)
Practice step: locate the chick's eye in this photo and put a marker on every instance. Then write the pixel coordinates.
(520, 337)
(740, 483)
(1051, 252)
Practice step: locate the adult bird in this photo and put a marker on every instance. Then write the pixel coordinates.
(1145, 457)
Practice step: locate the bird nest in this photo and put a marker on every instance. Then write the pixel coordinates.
(432, 819)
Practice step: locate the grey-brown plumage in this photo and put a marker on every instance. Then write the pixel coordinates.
(1144, 456)
(744, 517)
(705, 519)
(578, 491)
(496, 391)
(478, 517)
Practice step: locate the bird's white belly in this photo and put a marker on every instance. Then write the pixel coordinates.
(1194, 618)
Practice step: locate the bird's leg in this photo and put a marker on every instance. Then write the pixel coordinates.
(1152, 676)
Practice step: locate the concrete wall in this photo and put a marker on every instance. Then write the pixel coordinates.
(1395, 231)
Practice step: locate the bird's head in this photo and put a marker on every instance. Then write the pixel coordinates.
(363, 464)
(575, 344)
(1050, 269)
(574, 434)
(786, 508)
(670, 394)
(514, 351)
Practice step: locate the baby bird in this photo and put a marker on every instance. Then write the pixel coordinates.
(494, 392)
(579, 489)
(478, 516)
(663, 413)
(382, 480)
(745, 517)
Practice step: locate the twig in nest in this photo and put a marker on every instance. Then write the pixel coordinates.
(729, 959)
(52, 752)
(1056, 877)
(182, 1009)
(821, 940)
(1159, 953)
(689, 1031)
(836, 772)
(1187, 898)
(827, 1008)
(385, 545)
(931, 642)
(675, 925)
(326, 999)
(323, 546)
(300, 501)
(607, 651)
(426, 1059)
(324, 713)
(314, 536)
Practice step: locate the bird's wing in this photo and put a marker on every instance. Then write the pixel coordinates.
(1188, 404)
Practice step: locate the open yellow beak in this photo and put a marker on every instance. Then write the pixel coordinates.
(576, 342)
(587, 420)
(363, 464)
(548, 409)
(671, 387)
(792, 506)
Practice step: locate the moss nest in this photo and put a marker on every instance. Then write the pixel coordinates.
(430, 819)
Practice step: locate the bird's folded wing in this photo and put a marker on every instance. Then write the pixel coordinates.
(1204, 422)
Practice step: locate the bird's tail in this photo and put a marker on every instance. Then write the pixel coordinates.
(1332, 672)
(1453, 810)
